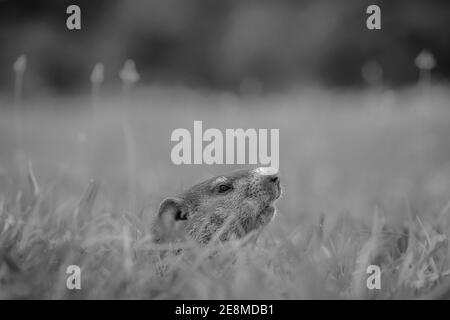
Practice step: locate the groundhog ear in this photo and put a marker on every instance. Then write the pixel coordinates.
(169, 225)
(172, 209)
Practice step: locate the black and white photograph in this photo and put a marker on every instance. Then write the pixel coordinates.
(245, 150)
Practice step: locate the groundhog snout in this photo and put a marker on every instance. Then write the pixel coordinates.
(269, 180)
(272, 184)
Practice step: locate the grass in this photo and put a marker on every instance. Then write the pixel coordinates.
(365, 174)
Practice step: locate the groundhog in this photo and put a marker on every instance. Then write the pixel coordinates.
(228, 206)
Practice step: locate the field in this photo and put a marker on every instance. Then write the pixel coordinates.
(365, 176)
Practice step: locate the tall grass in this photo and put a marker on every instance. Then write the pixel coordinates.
(19, 68)
(425, 62)
(129, 77)
(97, 77)
(338, 164)
(119, 260)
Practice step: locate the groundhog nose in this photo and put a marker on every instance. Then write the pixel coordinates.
(269, 177)
(274, 179)
(267, 171)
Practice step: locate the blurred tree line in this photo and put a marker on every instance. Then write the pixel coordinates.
(224, 44)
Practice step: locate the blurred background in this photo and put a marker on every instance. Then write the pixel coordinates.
(233, 44)
(363, 115)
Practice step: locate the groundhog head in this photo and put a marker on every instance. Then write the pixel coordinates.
(228, 206)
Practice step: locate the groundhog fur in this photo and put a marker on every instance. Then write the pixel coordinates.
(223, 207)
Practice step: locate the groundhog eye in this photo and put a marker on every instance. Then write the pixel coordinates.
(224, 188)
